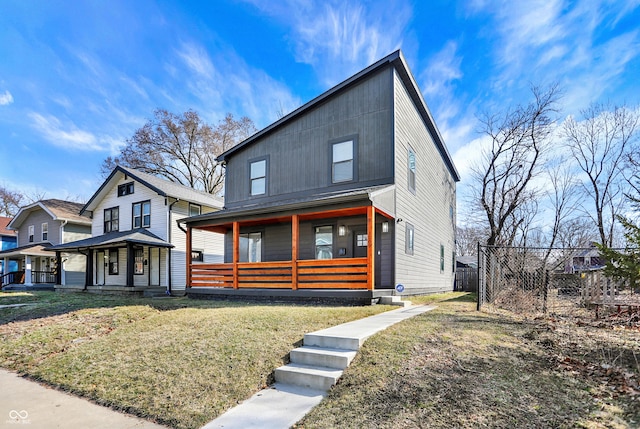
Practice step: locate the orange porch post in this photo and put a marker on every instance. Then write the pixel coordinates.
(189, 258)
(371, 247)
(236, 253)
(295, 230)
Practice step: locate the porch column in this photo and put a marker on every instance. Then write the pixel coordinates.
(5, 265)
(130, 263)
(58, 268)
(88, 275)
(371, 247)
(295, 231)
(27, 270)
(236, 252)
(189, 258)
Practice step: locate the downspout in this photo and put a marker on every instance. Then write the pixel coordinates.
(169, 248)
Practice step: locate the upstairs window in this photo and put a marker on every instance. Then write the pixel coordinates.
(45, 231)
(194, 209)
(125, 189)
(142, 214)
(324, 242)
(411, 170)
(342, 163)
(31, 233)
(259, 177)
(251, 247)
(111, 218)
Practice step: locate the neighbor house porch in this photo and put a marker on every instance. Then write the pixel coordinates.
(35, 266)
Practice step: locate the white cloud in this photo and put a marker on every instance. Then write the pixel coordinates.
(52, 130)
(196, 58)
(6, 98)
(340, 38)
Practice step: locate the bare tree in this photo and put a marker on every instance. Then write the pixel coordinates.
(576, 232)
(467, 239)
(182, 148)
(600, 144)
(561, 195)
(518, 149)
(10, 202)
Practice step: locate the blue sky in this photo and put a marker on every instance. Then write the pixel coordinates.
(79, 77)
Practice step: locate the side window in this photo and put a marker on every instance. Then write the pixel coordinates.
(342, 165)
(251, 247)
(324, 242)
(411, 170)
(113, 261)
(442, 258)
(111, 220)
(45, 231)
(258, 177)
(409, 239)
(194, 209)
(32, 229)
(197, 256)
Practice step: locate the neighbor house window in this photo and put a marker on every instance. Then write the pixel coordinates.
(324, 242)
(113, 261)
(259, 177)
(111, 217)
(409, 238)
(125, 189)
(411, 170)
(194, 209)
(142, 214)
(138, 261)
(31, 233)
(342, 163)
(45, 231)
(197, 256)
(442, 258)
(251, 247)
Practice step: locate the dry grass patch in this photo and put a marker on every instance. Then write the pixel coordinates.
(455, 367)
(176, 361)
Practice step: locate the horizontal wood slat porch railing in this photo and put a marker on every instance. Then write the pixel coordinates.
(345, 273)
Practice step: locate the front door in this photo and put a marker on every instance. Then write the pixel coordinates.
(100, 262)
(360, 242)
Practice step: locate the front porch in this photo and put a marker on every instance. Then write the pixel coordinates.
(359, 243)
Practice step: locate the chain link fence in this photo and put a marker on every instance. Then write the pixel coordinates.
(562, 282)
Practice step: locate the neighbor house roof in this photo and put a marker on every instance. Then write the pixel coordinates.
(396, 59)
(29, 249)
(137, 236)
(161, 186)
(4, 222)
(58, 210)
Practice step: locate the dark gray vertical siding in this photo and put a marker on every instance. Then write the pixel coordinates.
(299, 151)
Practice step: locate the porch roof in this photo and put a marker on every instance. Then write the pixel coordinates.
(111, 239)
(36, 249)
(362, 196)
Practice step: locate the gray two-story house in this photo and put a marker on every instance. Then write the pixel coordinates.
(40, 226)
(351, 196)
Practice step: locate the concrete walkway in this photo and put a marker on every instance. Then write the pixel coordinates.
(282, 405)
(25, 402)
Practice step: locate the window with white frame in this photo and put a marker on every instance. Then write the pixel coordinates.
(409, 239)
(411, 169)
(111, 220)
(324, 242)
(32, 230)
(251, 247)
(258, 172)
(194, 209)
(45, 231)
(141, 214)
(342, 162)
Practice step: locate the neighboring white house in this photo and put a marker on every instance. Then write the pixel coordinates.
(39, 226)
(136, 244)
